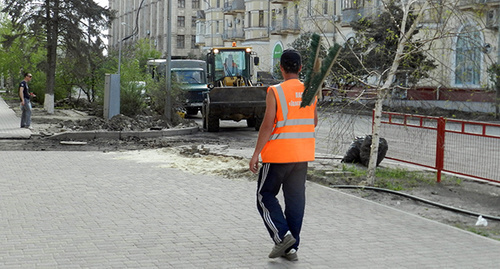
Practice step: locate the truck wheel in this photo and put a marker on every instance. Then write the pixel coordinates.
(192, 111)
(258, 123)
(251, 122)
(212, 123)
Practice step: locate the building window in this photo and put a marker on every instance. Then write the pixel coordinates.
(196, 4)
(181, 21)
(249, 19)
(325, 7)
(217, 25)
(218, 4)
(193, 42)
(261, 18)
(180, 42)
(181, 4)
(468, 57)
(353, 4)
(193, 21)
(296, 15)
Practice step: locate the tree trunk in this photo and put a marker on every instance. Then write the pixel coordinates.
(383, 92)
(52, 35)
(372, 165)
(497, 95)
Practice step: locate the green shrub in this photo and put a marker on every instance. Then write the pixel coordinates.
(132, 99)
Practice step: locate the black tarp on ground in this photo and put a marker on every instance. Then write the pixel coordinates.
(359, 150)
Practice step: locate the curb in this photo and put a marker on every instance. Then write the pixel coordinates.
(89, 135)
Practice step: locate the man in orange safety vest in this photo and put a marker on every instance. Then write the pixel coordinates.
(286, 143)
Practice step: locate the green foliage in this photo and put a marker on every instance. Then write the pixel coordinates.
(132, 98)
(354, 170)
(277, 72)
(72, 27)
(476, 230)
(143, 51)
(494, 73)
(19, 55)
(137, 87)
(303, 45)
(310, 73)
(315, 78)
(156, 91)
(374, 48)
(400, 179)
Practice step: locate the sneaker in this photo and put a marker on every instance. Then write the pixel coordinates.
(291, 255)
(30, 128)
(279, 249)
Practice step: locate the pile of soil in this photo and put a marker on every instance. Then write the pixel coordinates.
(71, 115)
(117, 123)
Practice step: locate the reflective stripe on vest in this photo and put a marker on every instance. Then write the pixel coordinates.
(292, 136)
(290, 122)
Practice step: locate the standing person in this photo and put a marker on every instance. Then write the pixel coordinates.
(286, 144)
(24, 95)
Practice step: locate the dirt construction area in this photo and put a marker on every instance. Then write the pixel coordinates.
(227, 153)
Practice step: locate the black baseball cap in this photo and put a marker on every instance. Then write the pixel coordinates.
(291, 58)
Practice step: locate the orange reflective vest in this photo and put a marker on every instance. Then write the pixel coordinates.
(293, 138)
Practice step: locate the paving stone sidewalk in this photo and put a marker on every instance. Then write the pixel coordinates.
(102, 210)
(10, 124)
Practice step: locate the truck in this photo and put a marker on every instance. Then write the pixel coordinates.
(190, 74)
(232, 95)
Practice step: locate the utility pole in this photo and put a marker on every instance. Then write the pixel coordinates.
(497, 82)
(168, 76)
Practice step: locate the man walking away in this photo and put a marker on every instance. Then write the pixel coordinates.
(24, 95)
(286, 144)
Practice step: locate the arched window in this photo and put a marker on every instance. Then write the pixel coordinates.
(468, 57)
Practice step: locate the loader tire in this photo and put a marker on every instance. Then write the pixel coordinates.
(212, 123)
(251, 122)
(192, 111)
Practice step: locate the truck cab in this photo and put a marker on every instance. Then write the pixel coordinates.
(230, 66)
(190, 75)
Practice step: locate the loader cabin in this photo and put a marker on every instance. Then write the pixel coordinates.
(231, 66)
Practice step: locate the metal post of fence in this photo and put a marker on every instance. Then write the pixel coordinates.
(441, 127)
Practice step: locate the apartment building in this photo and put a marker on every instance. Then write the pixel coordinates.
(463, 38)
(147, 19)
(268, 27)
(463, 34)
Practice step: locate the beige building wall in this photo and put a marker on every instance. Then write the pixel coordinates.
(271, 26)
(440, 29)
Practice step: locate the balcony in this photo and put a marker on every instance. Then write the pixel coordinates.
(200, 40)
(280, 1)
(291, 29)
(477, 4)
(233, 35)
(352, 15)
(277, 29)
(284, 27)
(234, 7)
(200, 14)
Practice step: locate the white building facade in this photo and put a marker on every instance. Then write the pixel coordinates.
(463, 54)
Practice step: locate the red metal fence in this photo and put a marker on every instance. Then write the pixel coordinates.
(460, 147)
